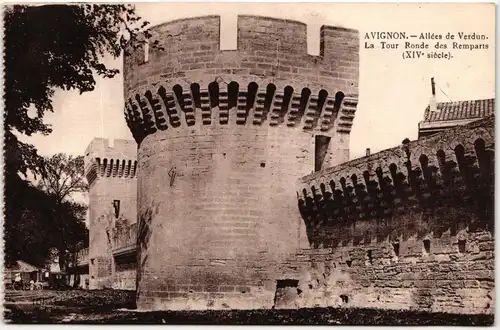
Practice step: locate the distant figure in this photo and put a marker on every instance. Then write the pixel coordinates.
(32, 285)
(17, 281)
(76, 284)
(38, 285)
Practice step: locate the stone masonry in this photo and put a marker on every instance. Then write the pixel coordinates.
(410, 227)
(223, 136)
(111, 175)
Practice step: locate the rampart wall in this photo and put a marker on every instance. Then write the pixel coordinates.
(223, 136)
(410, 227)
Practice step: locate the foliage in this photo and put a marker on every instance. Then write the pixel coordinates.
(35, 231)
(63, 175)
(59, 46)
(49, 47)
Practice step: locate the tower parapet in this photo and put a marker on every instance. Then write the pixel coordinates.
(110, 158)
(269, 79)
(229, 132)
(110, 168)
(269, 50)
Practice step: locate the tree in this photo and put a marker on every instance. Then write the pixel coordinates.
(25, 238)
(61, 177)
(45, 48)
(57, 46)
(34, 232)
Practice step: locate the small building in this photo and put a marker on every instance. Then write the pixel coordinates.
(28, 272)
(445, 115)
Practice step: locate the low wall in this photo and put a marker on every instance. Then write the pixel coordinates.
(125, 276)
(448, 279)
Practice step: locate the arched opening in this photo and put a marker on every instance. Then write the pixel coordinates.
(482, 156)
(322, 188)
(304, 192)
(427, 246)
(232, 90)
(424, 163)
(213, 91)
(252, 94)
(332, 185)
(322, 97)
(321, 145)
(287, 100)
(270, 91)
(460, 155)
(339, 97)
(177, 89)
(304, 99)
(441, 156)
(196, 95)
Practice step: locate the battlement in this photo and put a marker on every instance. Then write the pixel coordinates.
(255, 34)
(191, 77)
(235, 105)
(121, 148)
(110, 158)
(425, 174)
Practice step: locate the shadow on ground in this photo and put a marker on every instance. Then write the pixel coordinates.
(106, 307)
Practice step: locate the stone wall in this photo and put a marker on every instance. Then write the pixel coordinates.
(269, 49)
(223, 136)
(125, 273)
(410, 227)
(125, 255)
(111, 173)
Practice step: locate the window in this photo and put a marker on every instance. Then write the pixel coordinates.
(427, 246)
(321, 145)
(369, 257)
(461, 246)
(395, 247)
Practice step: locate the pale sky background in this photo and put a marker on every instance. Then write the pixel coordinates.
(393, 93)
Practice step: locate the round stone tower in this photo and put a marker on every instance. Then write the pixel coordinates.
(223, 137)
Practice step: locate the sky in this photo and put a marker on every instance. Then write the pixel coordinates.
(393, 92)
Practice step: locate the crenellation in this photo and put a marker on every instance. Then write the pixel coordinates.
(192, 51)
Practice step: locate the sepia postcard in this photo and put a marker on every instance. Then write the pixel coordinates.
(248, 163)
